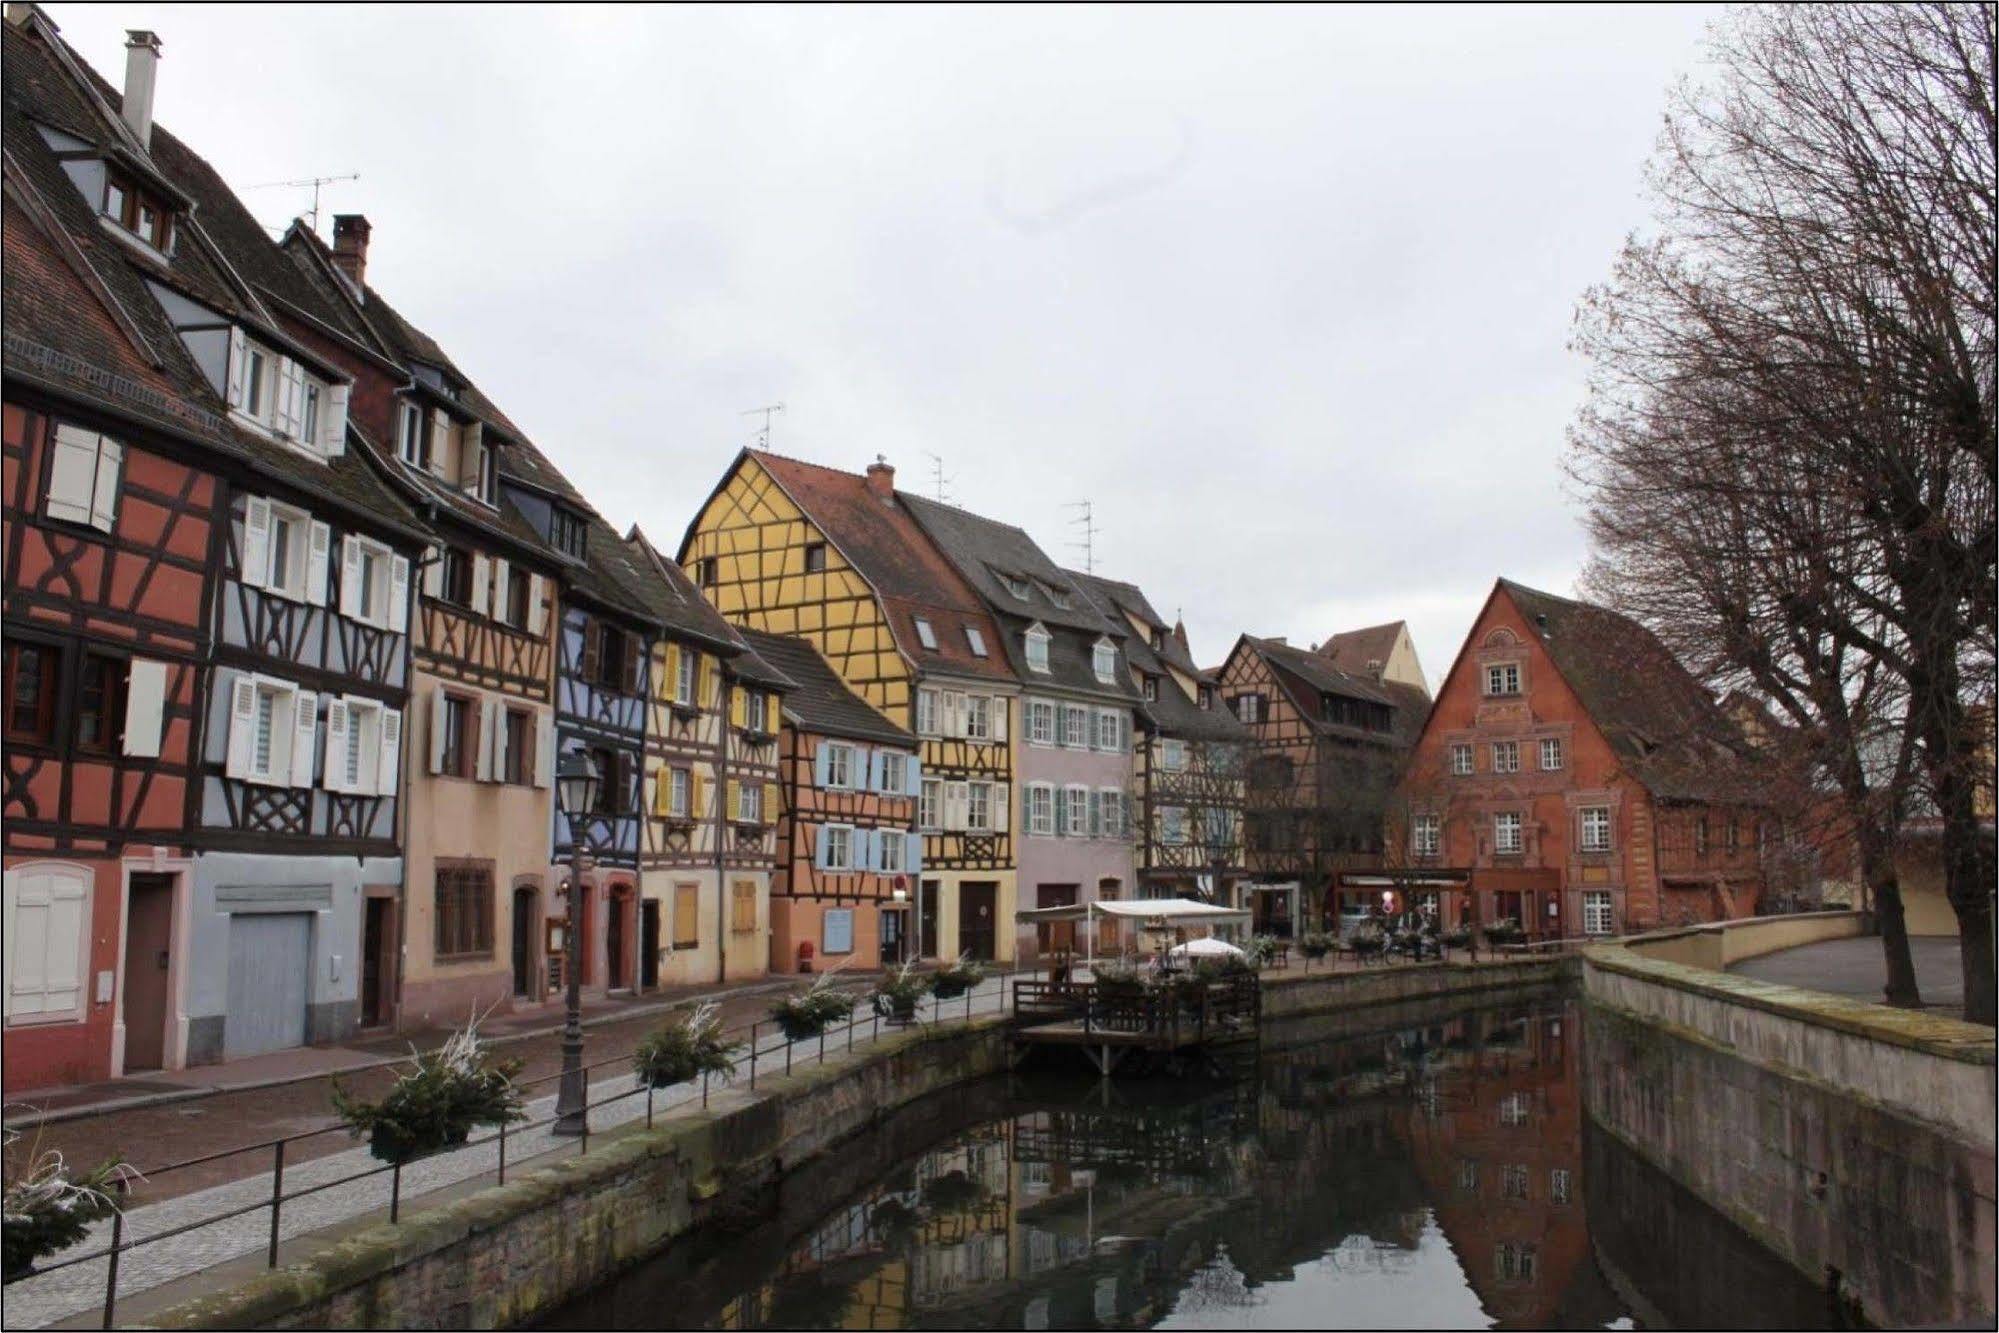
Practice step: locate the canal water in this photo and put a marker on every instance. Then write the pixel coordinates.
(1439, 1175)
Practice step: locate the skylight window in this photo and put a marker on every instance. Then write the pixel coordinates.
(926, 634)
(976, 639)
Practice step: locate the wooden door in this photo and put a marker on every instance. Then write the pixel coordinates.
(376, 964)
(524, 938)
(978, 922)
(149, 923)
(619, 906)
(892, 930)
(927, 945)
(649, 943)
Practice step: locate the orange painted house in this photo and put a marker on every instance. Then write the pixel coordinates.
(1581, 778)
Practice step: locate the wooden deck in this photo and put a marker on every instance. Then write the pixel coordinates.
(1109, 1024)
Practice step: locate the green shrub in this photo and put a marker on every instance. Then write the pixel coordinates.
(679, 1052)
(899, 992)
(809, 1012)
(1316, 945)
(47, 1209)
(444, 1096)
(955, 978)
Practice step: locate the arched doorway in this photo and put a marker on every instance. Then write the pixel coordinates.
(527, 924)
(617, 938)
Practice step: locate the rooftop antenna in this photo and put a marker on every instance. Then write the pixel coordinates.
(315, 182)
(763, 431)
(1085, 520)
(938, 481)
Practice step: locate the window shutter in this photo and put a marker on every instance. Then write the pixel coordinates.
(256, 541)
(770, 803)
(239, 350)
(669, 682)
(912, 777)
(1094, 802)
(72, 474)
(999, 808)
(440, 427)
(488, 733)
(44, 940)
(502, 572)
(437, 728)
(733, 800)
(822, 764)
(389, 758)
(957, 805)
(544, 750)
(482, 570)
(912, 856)
(399, 594)
(317, 549)
(866, 855)
(773, 712)
(305, 723)
(820, 842)
(593, 633)
(468, 459)
(537, 605)
(433, 571)
(145, 707)
(350, 577)
(242, 725)
(662, 791)
(104, 495)
(877, 764)
(739, 707)
(1000, 706)
(333, 420)
(698, 799)
(333, 775)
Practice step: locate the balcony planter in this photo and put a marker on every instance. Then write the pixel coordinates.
(955, 978)
(899, 992)
(48, 1209)
(679, 1052)
(445, 1094)
(809, 1012)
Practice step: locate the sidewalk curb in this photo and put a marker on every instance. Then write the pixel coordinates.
(145, 1100)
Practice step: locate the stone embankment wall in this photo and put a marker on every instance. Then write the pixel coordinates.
(1854, 1140)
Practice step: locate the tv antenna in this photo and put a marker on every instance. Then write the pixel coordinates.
(938, 481)
(315, 182)
(1085, 521)
(763, 431)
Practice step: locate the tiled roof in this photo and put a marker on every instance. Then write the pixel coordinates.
(883, 542)
(1114, 596)
(1172, 712)
(1352, 650)
(1305, 676)
(681, 609)
(819, 700)
(1663, 724)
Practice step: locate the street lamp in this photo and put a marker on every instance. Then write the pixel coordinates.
(576, 782)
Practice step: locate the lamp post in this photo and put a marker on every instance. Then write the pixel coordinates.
(576, 782)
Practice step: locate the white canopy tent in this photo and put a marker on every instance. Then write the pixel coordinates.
(1150, 913)
(1209, 947)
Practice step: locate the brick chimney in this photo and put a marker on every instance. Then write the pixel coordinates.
(881, 477)
(350, 245)
(142, 68)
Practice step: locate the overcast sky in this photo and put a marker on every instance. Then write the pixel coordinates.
(1284, 293)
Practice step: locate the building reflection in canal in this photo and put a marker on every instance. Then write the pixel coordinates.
(1430, 1177)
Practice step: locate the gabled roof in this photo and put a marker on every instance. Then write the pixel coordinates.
(885, 545)
(1116, 598)
(683, 612)
(819, 701)
(1663, 725)
(150, 378)
(1304, 676)
(1352, 650)
(1172, 712)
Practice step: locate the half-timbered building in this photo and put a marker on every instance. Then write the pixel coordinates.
(1190, 753)
(711, 841)
(850, 853)
(305, 569)
(836, 558)
(1073, 778)
(1328, 750)
(469, 929)
(1580, 779)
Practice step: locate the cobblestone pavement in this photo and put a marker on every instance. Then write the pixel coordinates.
(38, 1301)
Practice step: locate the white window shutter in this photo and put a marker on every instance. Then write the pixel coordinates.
(537, 605)
(482, 570)
(483, 769)
(239, 350)
(433, 571)
(389, 754)
(999, 711)
(289, 384)
(437, 728)
(544, 750)
(333, 420)
(399, 594)
(145, 707)
(104, 495)
(72, 474)
(305, 723)
(350, 576)
(468, 456)
(318, 552)
(499, 742)
(46, 911)
(242, 725)
(999, 807)
(256, 541)
(498, 599)
(440, 431)
(333, 775)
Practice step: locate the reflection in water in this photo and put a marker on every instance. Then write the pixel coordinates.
(1427, 1178)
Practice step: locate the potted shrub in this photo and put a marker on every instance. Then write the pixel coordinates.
(808, 1012)
(437, 1103)
(1260, 951)
(1315, 947)
(1367, 942)
(48, 1208)
(679, 1052)
(1459, 937)
(955, 978)
(1505, 931)
(898, 993)
(1115, 976)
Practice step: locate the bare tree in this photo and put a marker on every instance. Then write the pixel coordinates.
(1787, 452)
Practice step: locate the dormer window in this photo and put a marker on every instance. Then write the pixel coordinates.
(1152, 689)
(281, 398)
(1056, 595)
(1036, 640)
(410, 437)
(489, 477)
(566, 534)
(1103, 661)
(143, 214)
(925, 634)
(1015, 584)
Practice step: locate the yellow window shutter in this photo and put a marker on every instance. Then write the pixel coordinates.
(770, 802)
(700, 794)
(739, 708)
(735, 799)
(662, 791)
(772, 717)
(704, 683)
(670, 678)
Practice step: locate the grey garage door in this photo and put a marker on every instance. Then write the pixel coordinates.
(270, 970)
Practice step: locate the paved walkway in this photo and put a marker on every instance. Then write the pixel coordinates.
(38, 1301)
(1855, 967)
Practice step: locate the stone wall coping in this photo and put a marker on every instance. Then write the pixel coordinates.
(1946, 1038)
(1738, 923)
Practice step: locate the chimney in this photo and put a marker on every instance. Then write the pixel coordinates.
(881, 477)
(142, 67)
(350, 246)
(1279, 640)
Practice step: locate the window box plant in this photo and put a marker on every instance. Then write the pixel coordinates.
(436, 1104)
(898, 993)
(679, 1052)
(808, 1012)
(1315, 946)
(955, 978)
(48, 1208)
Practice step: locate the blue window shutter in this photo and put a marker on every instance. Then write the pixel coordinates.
(913, 857)
(876, 763)
(1096, 814)
(864, 849)
(819, 839)
(822, 765)
(913, 771)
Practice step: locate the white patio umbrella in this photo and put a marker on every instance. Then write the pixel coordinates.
(1205, 948)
